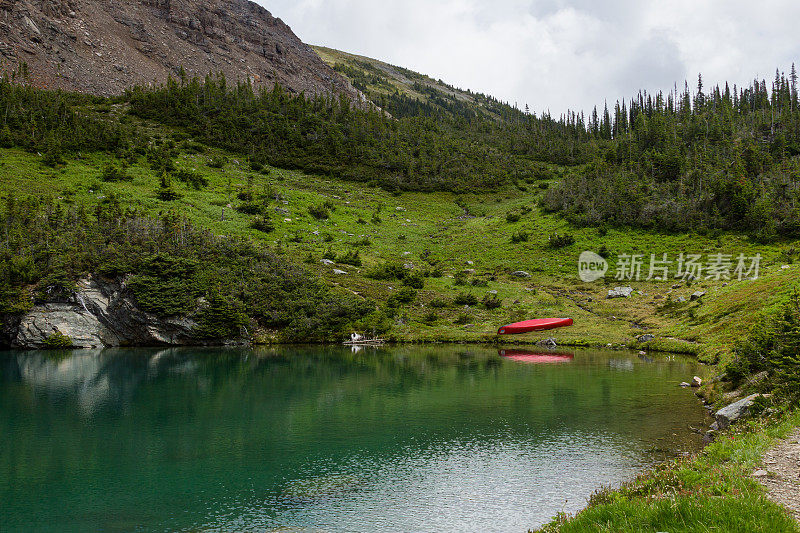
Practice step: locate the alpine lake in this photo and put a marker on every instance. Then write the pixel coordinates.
(409, 438)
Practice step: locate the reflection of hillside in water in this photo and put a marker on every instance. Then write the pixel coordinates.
(326, 435)
(95, 379)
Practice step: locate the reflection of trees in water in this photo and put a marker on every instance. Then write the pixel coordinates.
(305, 384)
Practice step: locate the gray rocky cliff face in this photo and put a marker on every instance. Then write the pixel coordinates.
(99, 314)
(103, 47)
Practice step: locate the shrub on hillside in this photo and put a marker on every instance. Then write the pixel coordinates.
(519, 236)
(491, 301)
(254, 206)
(351, 257)
(192, 178)
(557, 240)
(220, 318)
(463, 319)
(263, 224)
(113, 172)
(321, 211)
(166, 285)
(386, 271)
(415, 281)
(465, 298)
(439, 303)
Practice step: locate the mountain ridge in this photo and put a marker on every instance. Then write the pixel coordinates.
(103, 48)
(385, 84)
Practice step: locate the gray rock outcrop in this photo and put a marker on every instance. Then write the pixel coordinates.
(98, 314)
(733, 412)
(620, 292)
(103, 47)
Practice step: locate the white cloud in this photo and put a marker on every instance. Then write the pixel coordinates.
(558, 54)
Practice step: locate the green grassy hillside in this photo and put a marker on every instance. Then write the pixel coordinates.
(461, 247)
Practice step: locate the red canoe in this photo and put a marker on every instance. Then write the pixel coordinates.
(539, 324)
(524, 356)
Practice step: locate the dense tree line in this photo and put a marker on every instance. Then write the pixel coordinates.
(229, 286)
(54, 122)
(726, 158)
(420, 151)
(723, 158)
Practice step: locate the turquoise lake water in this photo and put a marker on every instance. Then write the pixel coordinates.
(455, 438)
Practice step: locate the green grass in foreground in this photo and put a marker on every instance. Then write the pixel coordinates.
(710, 492)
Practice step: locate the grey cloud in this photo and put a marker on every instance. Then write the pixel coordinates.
(558, 54)
(655, 64)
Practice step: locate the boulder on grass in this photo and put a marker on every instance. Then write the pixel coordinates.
(620, 292)
(733, 412)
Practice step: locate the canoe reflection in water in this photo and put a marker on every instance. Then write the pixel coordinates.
(527, 356)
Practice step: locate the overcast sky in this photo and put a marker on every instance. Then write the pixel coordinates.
(559, 54)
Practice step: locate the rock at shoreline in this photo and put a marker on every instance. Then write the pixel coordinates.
(733, 412)
(550, 343)
(99, 314)
(620, 292)
(696, 381)
(646, 337)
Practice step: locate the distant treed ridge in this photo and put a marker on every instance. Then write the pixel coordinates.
(722, 159)
(420, 151)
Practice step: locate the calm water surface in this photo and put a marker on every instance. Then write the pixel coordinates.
(325, 439)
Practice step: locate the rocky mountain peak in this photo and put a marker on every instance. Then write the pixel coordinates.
(105, 46)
